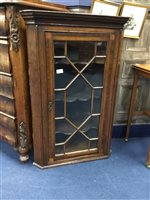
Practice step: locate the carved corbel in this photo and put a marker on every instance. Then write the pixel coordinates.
(14, 29)
(23, 146)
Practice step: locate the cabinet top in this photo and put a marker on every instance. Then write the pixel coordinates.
(38, 17)
(35, 4)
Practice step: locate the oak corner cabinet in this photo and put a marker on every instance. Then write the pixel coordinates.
(73, 70)
(15, 116)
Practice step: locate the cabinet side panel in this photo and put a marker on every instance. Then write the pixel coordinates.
(111, 82)
(35, 92)
(19, 62)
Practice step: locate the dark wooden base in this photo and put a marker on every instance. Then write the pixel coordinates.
(71, 162)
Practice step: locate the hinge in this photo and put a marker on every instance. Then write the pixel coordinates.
(14, 29)
(50, 106)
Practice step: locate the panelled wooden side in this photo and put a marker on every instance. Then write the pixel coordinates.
(7, 122)
(5, 66)
(3, 23)
(7, 105)
(7, 100)
(6, 86)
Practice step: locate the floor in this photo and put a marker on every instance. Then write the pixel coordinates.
(121, 177)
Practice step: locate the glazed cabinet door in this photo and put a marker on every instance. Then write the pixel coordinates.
(77, 74)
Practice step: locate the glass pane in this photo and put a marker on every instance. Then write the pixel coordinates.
(80, 108)
(59, 49)
(97, 101)
(91, 127)
(101, 48)
(64, 73)
(77, 143)
(94, 144)
(94, 74)
(78, 111)
(59, 149)
(63, 130)
(79, 90)
(59, 104)
(80, 52)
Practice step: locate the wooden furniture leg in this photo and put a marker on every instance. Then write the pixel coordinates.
(132, 105)
(140, 70)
